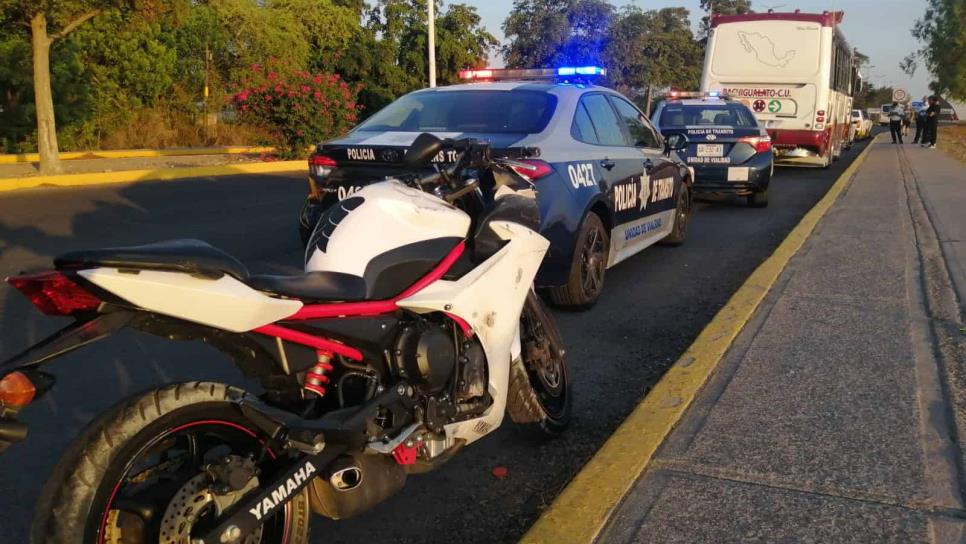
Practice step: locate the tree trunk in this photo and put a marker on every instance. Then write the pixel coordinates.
(43, 98)
(647, 102)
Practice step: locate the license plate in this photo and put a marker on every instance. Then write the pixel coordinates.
(710, 150)
(738, 173)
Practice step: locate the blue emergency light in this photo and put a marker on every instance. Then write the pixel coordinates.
(497, 74)
(581, 71)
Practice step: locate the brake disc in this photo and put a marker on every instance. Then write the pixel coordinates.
(188, 505)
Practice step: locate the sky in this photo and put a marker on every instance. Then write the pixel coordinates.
(880, 29)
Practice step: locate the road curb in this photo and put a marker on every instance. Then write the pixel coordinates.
(163, 174)
(139, 153)
(581, 511)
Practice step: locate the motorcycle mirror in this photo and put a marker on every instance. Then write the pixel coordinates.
(422, 150)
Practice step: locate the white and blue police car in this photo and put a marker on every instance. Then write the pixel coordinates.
(728, 150)
(608, 184)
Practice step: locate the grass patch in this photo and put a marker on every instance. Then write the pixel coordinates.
(952, 140)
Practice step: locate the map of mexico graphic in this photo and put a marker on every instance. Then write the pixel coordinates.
(765, 50)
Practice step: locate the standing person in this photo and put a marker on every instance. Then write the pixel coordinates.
(907, 120)
(932, 123)
(895, 121)
(921, 124)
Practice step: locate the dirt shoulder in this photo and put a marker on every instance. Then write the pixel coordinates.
(952, 140)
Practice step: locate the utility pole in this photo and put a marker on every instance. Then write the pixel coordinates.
(205, 97)
(432, 42)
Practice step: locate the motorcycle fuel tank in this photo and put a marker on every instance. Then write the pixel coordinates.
(380, 219)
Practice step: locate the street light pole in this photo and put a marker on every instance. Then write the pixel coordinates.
(432, 43)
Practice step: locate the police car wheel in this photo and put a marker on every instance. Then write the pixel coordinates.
(682, 214)
(586, 279)
(758, 199)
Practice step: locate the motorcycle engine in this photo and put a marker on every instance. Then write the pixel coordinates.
(425, 354)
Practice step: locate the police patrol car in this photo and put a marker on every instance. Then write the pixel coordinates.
(608, 184)
(728, 150)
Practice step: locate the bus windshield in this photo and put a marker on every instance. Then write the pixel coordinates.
(767, 48)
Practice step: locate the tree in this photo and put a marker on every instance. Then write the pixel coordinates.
(48, 21)
(653, 49)
(942, 32)
(548, 33)
(721, 7)
(872, 96)
(388, 56)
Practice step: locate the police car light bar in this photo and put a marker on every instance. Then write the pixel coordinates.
(494, 74)
(696, 94)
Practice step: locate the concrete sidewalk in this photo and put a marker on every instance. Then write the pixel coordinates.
(839, 413)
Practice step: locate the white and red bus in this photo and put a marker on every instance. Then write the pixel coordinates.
(795, 71)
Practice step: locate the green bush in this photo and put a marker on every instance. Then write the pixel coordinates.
(297, 107)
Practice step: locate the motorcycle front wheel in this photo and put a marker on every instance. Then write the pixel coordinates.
(546, 365)
(137, 474)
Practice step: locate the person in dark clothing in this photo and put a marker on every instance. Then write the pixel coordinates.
(920, 125)
(932, 123)
(896, 115)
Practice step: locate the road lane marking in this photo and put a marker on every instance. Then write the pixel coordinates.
(139, 153)
(581, 511)
(156, 174)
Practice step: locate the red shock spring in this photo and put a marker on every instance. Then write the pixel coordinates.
(315, 378)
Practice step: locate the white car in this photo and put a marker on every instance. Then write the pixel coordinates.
(861, 124)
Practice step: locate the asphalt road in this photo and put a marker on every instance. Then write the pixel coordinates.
(653, 306)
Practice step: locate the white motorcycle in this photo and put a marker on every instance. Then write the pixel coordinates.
(413, 329)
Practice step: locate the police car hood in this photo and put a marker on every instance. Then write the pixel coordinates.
(388, 147)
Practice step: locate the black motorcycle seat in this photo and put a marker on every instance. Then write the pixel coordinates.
(313, 286)
(187, 255)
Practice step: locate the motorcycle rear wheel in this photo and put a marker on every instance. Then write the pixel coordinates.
(146, 454)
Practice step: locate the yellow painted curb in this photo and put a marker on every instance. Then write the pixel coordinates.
(580, 512)
(137, 153)
(129, 176)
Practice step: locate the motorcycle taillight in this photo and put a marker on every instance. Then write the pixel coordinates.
(53, 293)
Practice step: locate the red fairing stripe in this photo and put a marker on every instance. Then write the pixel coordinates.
(463, 325)
(353, 309)
(308, 340)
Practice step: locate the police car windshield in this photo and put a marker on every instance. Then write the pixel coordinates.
(501, 112)
(707, 114)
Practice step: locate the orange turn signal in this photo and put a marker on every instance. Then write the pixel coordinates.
(16, 390)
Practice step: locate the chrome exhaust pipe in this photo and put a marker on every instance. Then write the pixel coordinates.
(346, 478)
(355, 483)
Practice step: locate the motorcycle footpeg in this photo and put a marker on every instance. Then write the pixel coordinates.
(306, 440)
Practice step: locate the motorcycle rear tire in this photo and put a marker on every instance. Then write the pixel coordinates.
(74, 503)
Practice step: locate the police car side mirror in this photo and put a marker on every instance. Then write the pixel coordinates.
(676, 142)
(422, 150)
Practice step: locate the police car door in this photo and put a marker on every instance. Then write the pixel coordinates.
(621, 166)
(652, 213)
